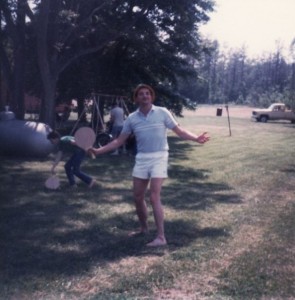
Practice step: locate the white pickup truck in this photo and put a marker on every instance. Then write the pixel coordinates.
(277, 111)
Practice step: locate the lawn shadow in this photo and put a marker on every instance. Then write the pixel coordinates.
(266, 269)
(62, 233)
(179, 149)
(289, 169)
(182, 233)
(190, 188)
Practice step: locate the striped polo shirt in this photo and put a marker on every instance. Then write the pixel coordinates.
(151, 130)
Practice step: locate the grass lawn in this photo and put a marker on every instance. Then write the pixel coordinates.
(229, 211)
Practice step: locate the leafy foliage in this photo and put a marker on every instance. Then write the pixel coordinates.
(155, 50)
(126, 41)
(232, 77)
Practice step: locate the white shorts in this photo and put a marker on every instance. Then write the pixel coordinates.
(151, 165)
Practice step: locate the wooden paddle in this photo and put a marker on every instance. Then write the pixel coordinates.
(85, 138)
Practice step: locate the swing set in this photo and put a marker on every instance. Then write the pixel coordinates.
(95, 105)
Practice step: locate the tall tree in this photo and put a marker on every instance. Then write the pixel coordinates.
(156, 38)
(12, 50)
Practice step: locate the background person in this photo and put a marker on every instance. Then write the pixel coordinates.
(117, 120)
(149, 124)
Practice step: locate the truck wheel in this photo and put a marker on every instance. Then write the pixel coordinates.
(264, 119)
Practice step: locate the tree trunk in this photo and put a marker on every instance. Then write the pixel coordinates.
(47, 114)
(18, 80)
(19, 69)
(48, 77)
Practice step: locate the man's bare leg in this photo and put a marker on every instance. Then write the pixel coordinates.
(155, 198)
(139, 189)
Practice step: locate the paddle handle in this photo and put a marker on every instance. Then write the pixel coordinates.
(91, 154)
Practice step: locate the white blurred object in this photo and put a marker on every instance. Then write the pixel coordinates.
(52, 182)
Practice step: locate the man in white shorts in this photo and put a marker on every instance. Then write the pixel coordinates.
(149, 124)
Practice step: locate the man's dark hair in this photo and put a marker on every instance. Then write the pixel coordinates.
(53, 135)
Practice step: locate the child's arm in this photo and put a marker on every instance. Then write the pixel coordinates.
(56, 161)
(73, 142)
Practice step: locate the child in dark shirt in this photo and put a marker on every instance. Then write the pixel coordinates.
(72, 166)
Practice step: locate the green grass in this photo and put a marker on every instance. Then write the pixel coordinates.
(229, 210)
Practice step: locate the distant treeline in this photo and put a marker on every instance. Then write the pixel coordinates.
(232, 77)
